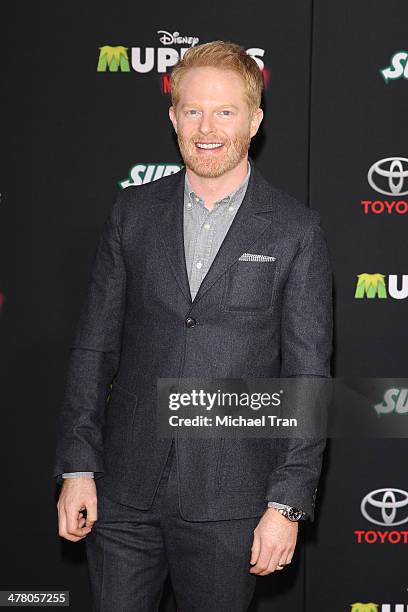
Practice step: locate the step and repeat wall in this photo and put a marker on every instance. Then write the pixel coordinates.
(86, 115)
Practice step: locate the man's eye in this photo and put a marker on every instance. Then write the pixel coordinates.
(192, 112)
(228, 112)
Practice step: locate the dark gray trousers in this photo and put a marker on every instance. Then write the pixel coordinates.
(130, 552)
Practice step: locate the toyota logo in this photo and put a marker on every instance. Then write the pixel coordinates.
(384, 504)
(389, 172)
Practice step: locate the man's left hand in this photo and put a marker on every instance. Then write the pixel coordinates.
(273, 544)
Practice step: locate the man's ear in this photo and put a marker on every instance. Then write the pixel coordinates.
(256, 119)
(173, 118)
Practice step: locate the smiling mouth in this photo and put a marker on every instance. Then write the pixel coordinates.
(209, 145)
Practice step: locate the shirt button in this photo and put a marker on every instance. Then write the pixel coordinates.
(199, 264)
(197, 199)
(207, 226)
(189, 205)
(230, 208)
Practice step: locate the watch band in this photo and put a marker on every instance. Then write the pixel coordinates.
(291, 513)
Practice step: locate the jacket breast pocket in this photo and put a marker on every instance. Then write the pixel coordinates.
(249, 286)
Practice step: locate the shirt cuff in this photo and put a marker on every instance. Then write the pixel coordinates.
(276, 505)
(77, 474)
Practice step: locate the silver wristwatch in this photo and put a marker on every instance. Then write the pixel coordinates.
(291, 513)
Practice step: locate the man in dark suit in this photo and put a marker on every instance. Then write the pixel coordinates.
(211, 272)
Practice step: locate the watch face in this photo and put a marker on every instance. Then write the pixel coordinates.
(294, 514)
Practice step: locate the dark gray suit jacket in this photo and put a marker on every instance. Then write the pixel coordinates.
(251, 321)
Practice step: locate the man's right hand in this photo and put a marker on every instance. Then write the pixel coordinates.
(77, 495)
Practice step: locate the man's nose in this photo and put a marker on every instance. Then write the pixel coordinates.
(207, 123)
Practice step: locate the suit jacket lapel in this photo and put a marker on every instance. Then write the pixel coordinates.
(170, 224)
(246, 228)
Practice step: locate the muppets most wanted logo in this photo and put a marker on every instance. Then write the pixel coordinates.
(143, 60)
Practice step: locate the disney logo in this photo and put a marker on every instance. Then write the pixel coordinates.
(167, 38)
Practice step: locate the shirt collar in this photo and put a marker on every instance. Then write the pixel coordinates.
(193, 197)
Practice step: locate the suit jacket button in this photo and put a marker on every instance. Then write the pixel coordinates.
(190, 322)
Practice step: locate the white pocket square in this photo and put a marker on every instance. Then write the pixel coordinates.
(256, 257)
